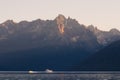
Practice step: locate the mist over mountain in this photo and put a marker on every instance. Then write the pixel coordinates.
(59, 44)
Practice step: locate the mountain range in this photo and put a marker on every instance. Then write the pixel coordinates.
(59, 44)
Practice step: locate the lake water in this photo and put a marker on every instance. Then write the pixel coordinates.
(84, 75)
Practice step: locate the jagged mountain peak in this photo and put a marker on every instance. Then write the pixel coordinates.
(61, 23)
(9, 22)
(61, 15)
(115, 31)
(93, 28)
(60, 32)
(105, 37)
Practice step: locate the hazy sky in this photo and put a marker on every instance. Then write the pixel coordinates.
(104, 14)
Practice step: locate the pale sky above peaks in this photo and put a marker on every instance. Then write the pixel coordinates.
(105, 14)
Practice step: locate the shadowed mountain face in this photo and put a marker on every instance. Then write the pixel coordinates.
(106, 59)
(56, 44)
(59, 44)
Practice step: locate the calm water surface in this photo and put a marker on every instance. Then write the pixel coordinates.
(23, 75)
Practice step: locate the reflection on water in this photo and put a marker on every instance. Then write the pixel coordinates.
(60, 76)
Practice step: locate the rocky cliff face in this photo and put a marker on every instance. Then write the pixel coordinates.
(58, 32)
(61, 23)
(105, 37)
(43, 33)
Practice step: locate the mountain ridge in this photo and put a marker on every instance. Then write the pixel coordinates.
(41, 29)
(59, 44)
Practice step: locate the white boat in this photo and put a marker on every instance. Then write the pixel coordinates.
(31, 72)
(48, 71)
